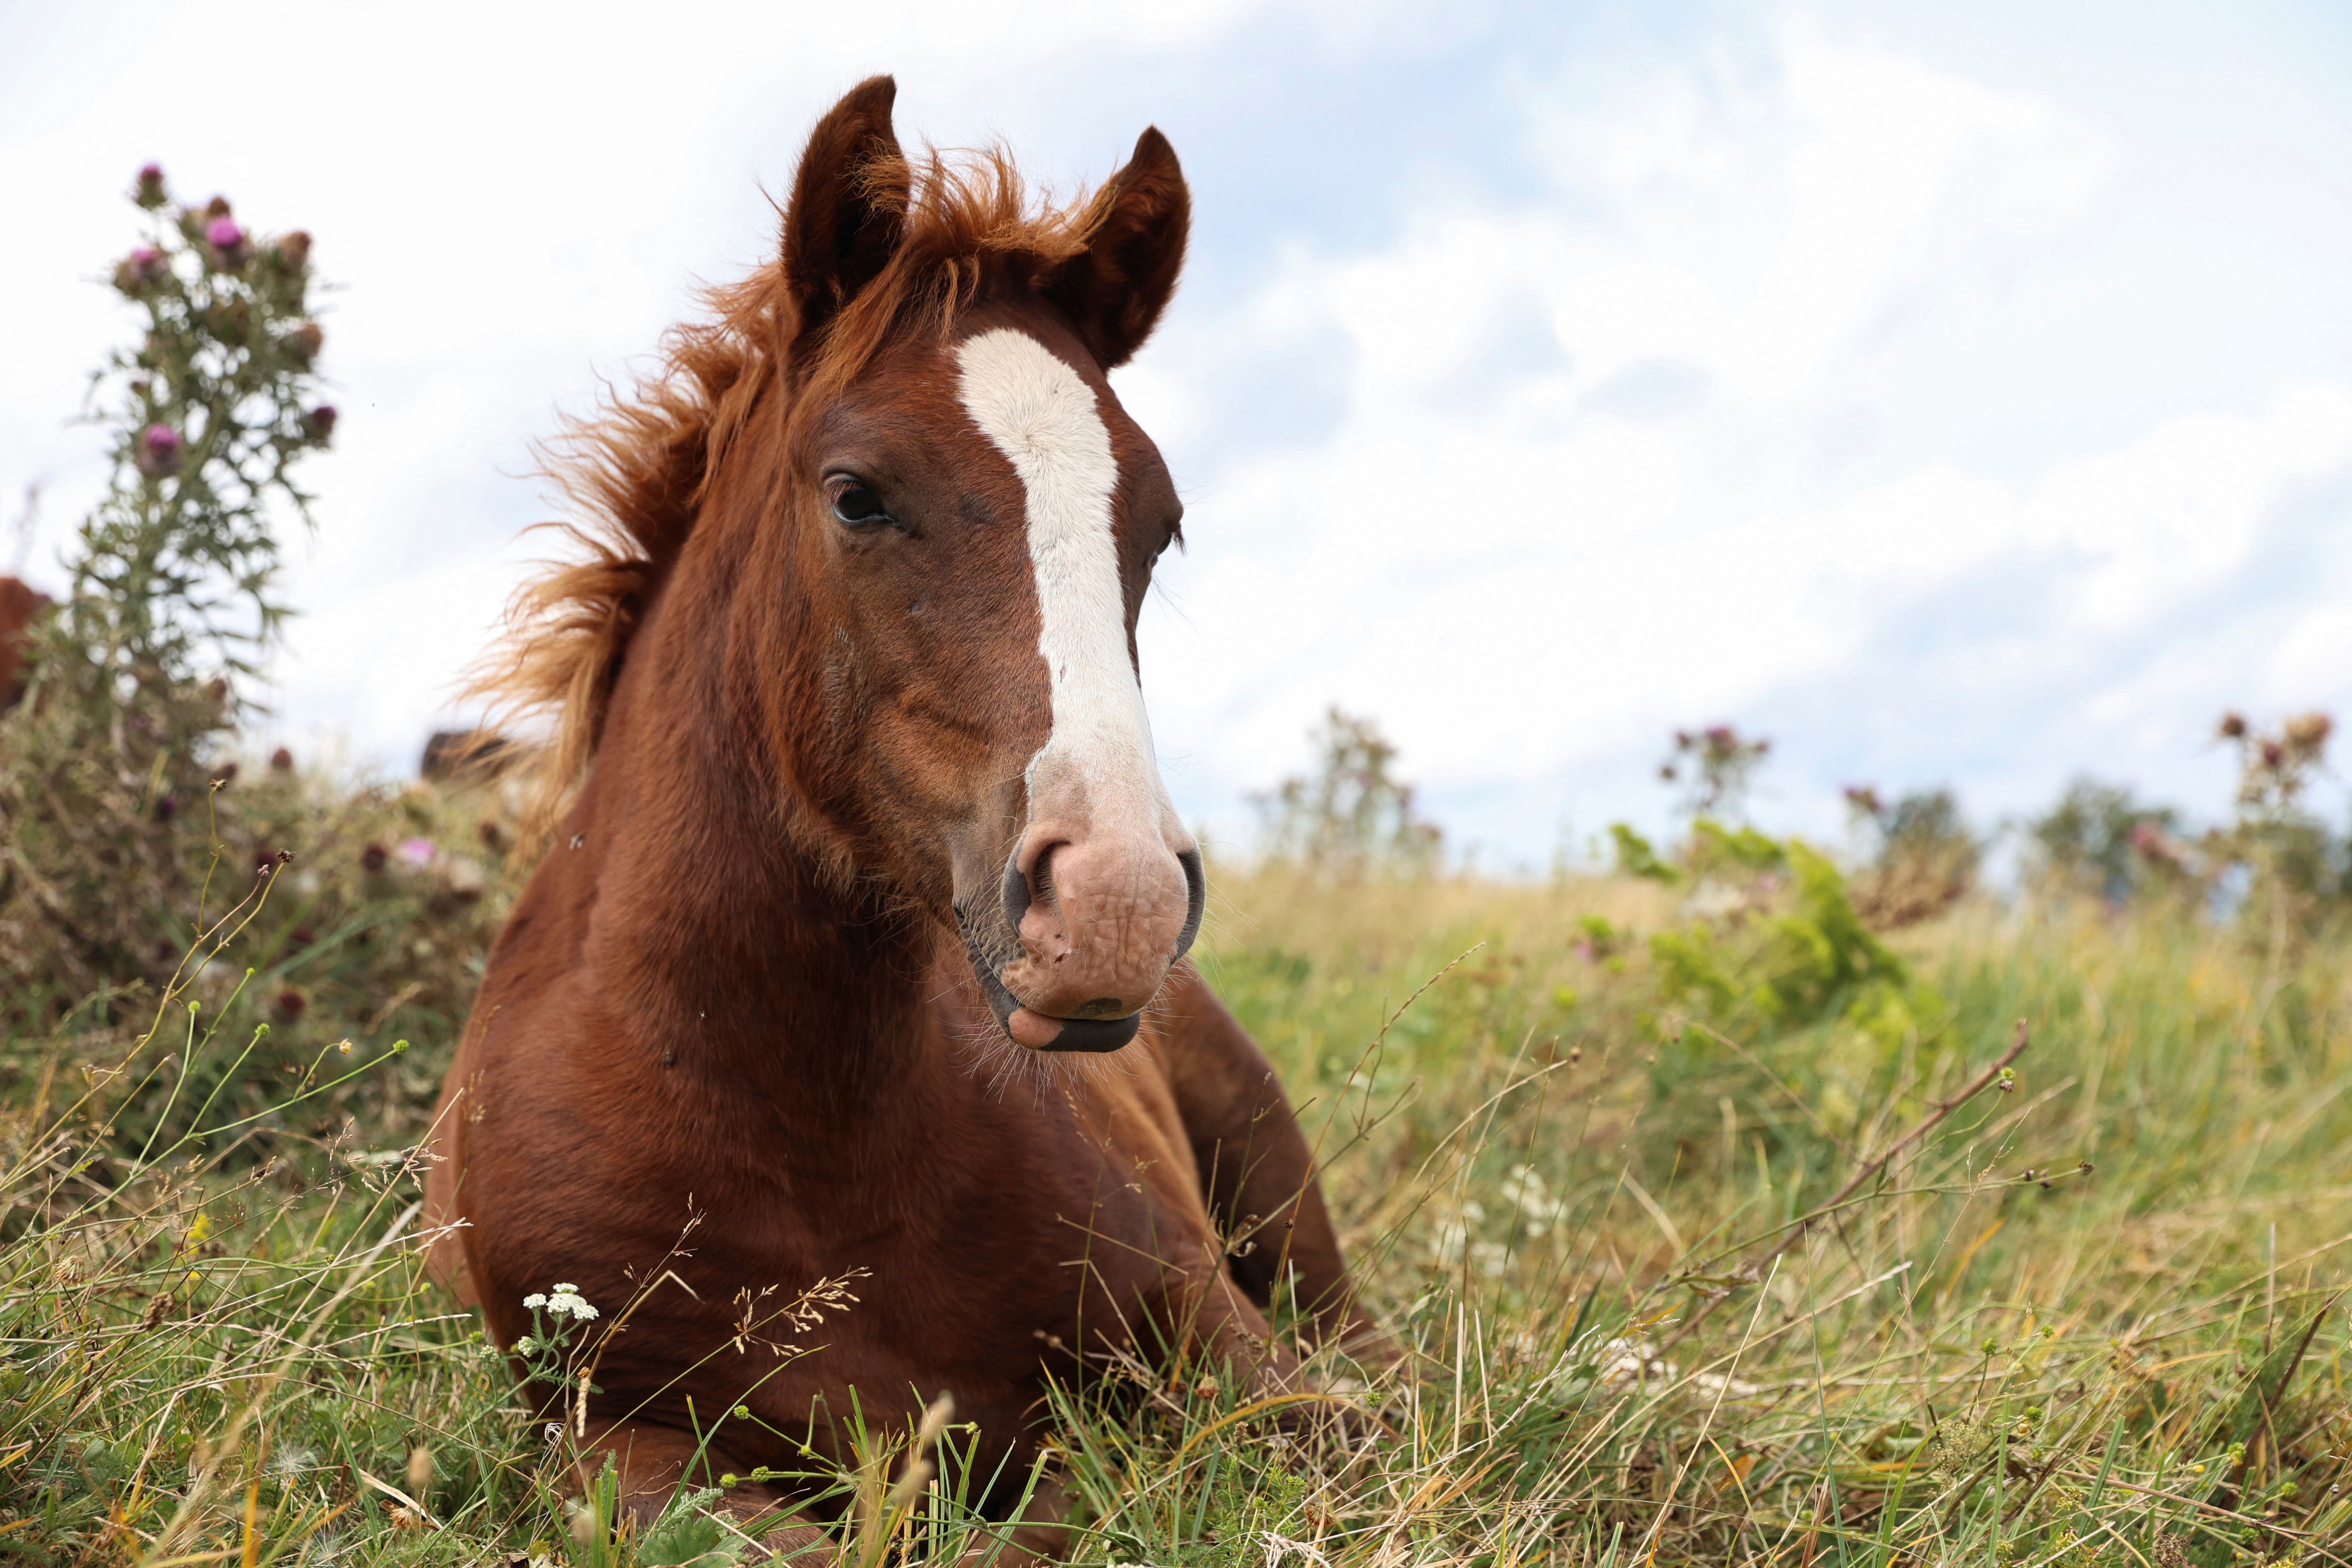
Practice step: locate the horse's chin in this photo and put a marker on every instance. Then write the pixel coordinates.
(1044, 1032)
(1041, 1032)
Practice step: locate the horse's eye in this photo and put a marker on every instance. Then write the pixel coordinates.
(857, 506)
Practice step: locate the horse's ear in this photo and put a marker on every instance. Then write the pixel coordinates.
(849, 204)
(1115, 289)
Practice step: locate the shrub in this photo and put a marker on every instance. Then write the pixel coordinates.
(2103, 841)
(1713, 766)
(1925, 858)
(2295, 871)
(1351, 816)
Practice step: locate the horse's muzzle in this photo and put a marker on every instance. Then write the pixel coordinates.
(1094, 1025)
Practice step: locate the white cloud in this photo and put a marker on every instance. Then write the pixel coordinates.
(1656, 526)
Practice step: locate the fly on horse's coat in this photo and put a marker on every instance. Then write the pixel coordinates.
(862, 936)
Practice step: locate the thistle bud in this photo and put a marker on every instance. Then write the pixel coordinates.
(304, 342)
(373, 857)
(2309, 731)
(281, 761)
(294, 248)
(142, 269)
(217, 207)
(149, 193)
(2273, 755)
(319, 423)
(230, 321)
(2233, 726)
(224, 243)
(158, 451)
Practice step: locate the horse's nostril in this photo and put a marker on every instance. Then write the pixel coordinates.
(1016, 893)
(1196, 899)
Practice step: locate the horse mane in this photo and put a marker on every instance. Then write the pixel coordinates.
(635, 473)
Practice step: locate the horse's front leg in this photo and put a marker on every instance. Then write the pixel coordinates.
(1257, 1174)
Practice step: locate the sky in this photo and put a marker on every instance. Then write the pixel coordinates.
(1958, 396)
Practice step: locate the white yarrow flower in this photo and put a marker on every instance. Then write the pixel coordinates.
(535, 1301)
(566, 1302)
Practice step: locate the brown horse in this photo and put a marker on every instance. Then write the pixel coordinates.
(869, 838)
(20, 607)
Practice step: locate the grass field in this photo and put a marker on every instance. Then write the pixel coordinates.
(2090, 1315)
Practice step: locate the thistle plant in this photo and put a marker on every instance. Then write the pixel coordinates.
(1352, 816)
(1713, 767)
(2292, 868)
(208, 416)
(109, 766)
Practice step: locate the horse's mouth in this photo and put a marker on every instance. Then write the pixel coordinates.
(1040, 1031)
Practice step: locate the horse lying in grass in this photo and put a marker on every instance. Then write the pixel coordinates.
(860, 947)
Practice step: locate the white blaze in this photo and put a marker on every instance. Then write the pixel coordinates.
(1042, 417)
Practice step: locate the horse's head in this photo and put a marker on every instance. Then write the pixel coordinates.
(972, 521)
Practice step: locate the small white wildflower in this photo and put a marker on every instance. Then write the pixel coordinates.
(526, 1345)
(535, 1301)
(1633, 1361)
(566, 1302)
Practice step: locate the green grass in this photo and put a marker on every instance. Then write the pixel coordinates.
(1569, 1181)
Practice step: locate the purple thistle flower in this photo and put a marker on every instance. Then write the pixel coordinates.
(159, 451)
(226, 241)
(150, 191)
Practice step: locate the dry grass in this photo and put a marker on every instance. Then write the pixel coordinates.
(1578, 1202)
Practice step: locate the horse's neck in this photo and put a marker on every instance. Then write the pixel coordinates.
(722, 932)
